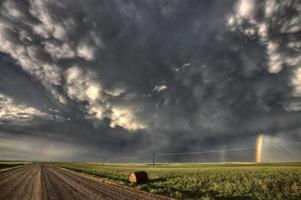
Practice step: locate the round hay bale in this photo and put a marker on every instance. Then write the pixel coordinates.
(138, 177)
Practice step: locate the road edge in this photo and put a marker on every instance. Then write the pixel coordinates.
(135, 190)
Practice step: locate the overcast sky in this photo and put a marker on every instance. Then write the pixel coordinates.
(83, 79)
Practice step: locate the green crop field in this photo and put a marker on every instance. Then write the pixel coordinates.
(207, 181)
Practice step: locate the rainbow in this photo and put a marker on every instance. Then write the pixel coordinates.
(259, 148)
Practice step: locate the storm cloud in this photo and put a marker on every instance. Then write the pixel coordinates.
(84, 79)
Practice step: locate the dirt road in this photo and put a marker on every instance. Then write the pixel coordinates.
(38, 182)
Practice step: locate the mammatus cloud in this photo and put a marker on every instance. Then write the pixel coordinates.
(124, 117)
(10, 112)
(160, 88)
(81, 86)
(277, 26)
(150, 75)
(40, 59)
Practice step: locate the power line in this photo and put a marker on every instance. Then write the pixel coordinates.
(219, 150)
(205, 152)
(153, 155)
(177, 153)
(293, 143)
(131, 157)
(154, 159)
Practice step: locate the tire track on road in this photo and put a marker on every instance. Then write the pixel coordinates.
(38, 181)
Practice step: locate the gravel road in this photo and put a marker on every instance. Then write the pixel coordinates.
(38, 182)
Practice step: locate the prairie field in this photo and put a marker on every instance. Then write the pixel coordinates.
(235, 181)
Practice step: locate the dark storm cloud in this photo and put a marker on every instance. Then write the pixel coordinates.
(20, 86)
(128, 76)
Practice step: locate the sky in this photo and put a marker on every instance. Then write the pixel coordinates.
(82, 80)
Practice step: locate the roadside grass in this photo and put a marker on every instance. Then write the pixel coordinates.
(206, 181)
(9, 164)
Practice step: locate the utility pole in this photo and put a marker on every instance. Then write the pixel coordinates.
(104, 160)
(154, 159)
